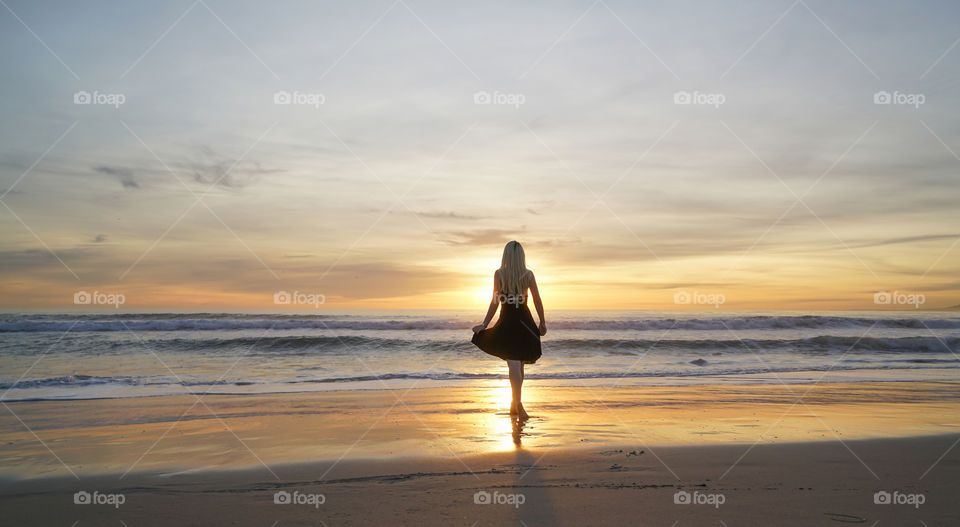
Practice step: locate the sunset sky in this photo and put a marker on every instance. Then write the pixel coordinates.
(799, 191)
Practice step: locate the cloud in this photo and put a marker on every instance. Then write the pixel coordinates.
(125, 175)
(920, 287)
(385, 280)
(162, 275)
(904, 239)
(483, 237)
(450, 215)
(214, 169)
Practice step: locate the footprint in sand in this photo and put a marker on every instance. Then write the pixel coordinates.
(844, 518)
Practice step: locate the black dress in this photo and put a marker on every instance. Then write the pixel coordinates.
(515, 336)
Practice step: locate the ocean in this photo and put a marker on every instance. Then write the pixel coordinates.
(108, 355)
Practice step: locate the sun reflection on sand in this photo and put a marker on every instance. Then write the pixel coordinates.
(496, 423)
(504, 431)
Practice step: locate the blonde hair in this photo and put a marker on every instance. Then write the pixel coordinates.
(513, 269)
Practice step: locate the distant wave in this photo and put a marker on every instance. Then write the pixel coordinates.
(319, 345)
(70, 381)
(106, 323)
(823, 343)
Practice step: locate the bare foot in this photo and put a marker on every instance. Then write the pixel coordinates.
(521, 413)
(513, 408)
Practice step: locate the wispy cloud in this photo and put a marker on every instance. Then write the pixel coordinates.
(124, 175)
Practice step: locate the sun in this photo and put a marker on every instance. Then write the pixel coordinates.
(481, 296)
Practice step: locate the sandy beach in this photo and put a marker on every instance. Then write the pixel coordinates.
(751, 455)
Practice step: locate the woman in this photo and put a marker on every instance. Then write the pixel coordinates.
(515, 338)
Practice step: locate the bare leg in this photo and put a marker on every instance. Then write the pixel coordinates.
(516, 383)
(522, 414)
(515, 368)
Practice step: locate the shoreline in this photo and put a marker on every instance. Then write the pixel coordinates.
(798, 377)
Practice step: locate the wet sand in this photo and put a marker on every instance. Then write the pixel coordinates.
(588, 456)
(818, 483)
